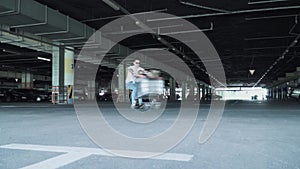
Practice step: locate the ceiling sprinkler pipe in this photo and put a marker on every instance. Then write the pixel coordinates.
(203, 7)
(281, 57)
(271, 17)
(118, 16)
(264, 2)
(226, 13)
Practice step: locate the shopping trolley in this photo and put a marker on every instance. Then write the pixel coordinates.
(151, 91)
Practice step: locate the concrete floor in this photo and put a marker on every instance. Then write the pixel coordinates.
(261, 135)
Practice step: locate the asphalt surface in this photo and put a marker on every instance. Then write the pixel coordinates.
(261, 135)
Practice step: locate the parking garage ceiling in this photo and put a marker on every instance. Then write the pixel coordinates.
(247, 34)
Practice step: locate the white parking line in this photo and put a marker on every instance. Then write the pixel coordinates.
(57, 161)
(11, 106)
(7, 106)
(76, 153)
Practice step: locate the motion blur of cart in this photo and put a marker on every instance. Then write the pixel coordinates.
(151, 89)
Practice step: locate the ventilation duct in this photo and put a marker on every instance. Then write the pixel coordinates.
(42, 21)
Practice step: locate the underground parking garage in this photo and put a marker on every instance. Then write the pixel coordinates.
(149, 84)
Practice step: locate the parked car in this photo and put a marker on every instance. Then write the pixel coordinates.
(294, 93)
(29, 95)
(209, 96)
(6, 95)
(80, 94)
(105, 97)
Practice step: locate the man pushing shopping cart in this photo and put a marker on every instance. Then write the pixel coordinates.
(143, 83)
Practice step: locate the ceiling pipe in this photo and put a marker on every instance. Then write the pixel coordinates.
(140, 30)
(271, 17)
(268, 38)
(202, 7)
(264, 2)
(150, 45)
(293, 27)
(162, 40)
(271, 47)
(226, 13)
(190, 31)
(145, 27)
(118, 16)
(278, 59)
(112, 4)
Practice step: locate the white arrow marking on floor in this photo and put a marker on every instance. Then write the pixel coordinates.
(76, 153)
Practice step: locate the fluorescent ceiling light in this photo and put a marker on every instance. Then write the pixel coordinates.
(112, 4)
(45, 59)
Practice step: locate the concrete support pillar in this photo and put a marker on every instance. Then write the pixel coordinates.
(62, 75)
(91, 90)
(198, 96)
(184, 90)
(114, 87)
(284, 92)
(58, 66)
(47, 87)
(69, 73)
(58, 94)
(270, 93)
(27, 80)
(203, 92)
(122, 92)
(280, 93)
(172, 89)
(277, 93)
(191, 95)
(97, 90)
